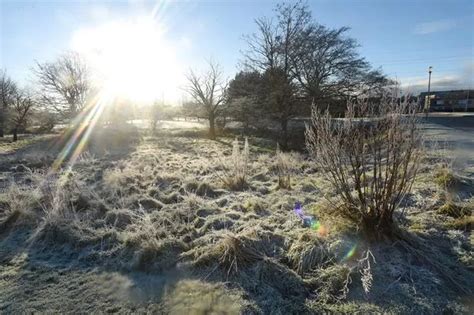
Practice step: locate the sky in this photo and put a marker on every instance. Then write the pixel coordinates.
(402, 37)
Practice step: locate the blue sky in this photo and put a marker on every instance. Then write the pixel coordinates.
(403, 37)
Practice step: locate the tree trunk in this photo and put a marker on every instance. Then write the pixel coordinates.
(284, 133)
(378, 227)
(2, 120)
(246, 127)
(212, 127)
(15, 135)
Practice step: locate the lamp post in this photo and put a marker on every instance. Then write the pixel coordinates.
(428, 100)
(430, 69)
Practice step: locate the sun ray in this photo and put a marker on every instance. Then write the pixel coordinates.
(159, 9)
(80, 132)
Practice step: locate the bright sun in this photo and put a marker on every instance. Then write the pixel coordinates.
(132, 59)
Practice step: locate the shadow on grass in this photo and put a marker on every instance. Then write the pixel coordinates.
(27, 144)
(421, 276)
(43, 151)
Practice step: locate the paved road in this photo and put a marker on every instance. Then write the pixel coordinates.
(455, 133)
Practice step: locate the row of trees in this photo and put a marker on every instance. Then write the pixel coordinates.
(291, 62)
(63, 90)
(16, 106)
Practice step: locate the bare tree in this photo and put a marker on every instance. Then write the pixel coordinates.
(159, 111)
(270, 52)
(20, 111)
(65, 84)
(208, 91)
(191, 109)
(371, 158)
(326, 64)
(7, 92)
(302, 61)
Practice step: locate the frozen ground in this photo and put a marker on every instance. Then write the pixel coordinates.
(171, 124)
(150, 228)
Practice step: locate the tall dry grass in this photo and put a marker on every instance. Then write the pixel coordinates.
(285, 164)
(235, 168)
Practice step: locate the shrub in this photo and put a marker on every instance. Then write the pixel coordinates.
(235, 168)
(370, 157)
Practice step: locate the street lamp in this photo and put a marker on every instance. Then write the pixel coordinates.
(428, 97)
(430, 69)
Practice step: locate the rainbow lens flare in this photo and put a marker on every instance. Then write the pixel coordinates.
(310, 221)
(350, 253)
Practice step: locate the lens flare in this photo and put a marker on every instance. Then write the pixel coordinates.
(78, 136)
(350, 253)
(315, 225)
(310, 221)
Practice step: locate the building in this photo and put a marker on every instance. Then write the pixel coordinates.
(447, 101)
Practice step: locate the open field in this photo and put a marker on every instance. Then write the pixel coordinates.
(236, 157)
(152, 228)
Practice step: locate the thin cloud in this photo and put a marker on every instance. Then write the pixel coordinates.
(443, 82)
(468, 72)
(434, 27)
(100, 12)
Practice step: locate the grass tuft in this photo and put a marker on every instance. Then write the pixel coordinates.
(446, 179)
(331, 283)
(256, 205)
(236, 167)
(284, 165)
(231, 253)
(158, 255)
(465, 223)
(453, 210)
(307, 253)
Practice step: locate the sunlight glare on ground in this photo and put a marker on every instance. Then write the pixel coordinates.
(132, 59)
